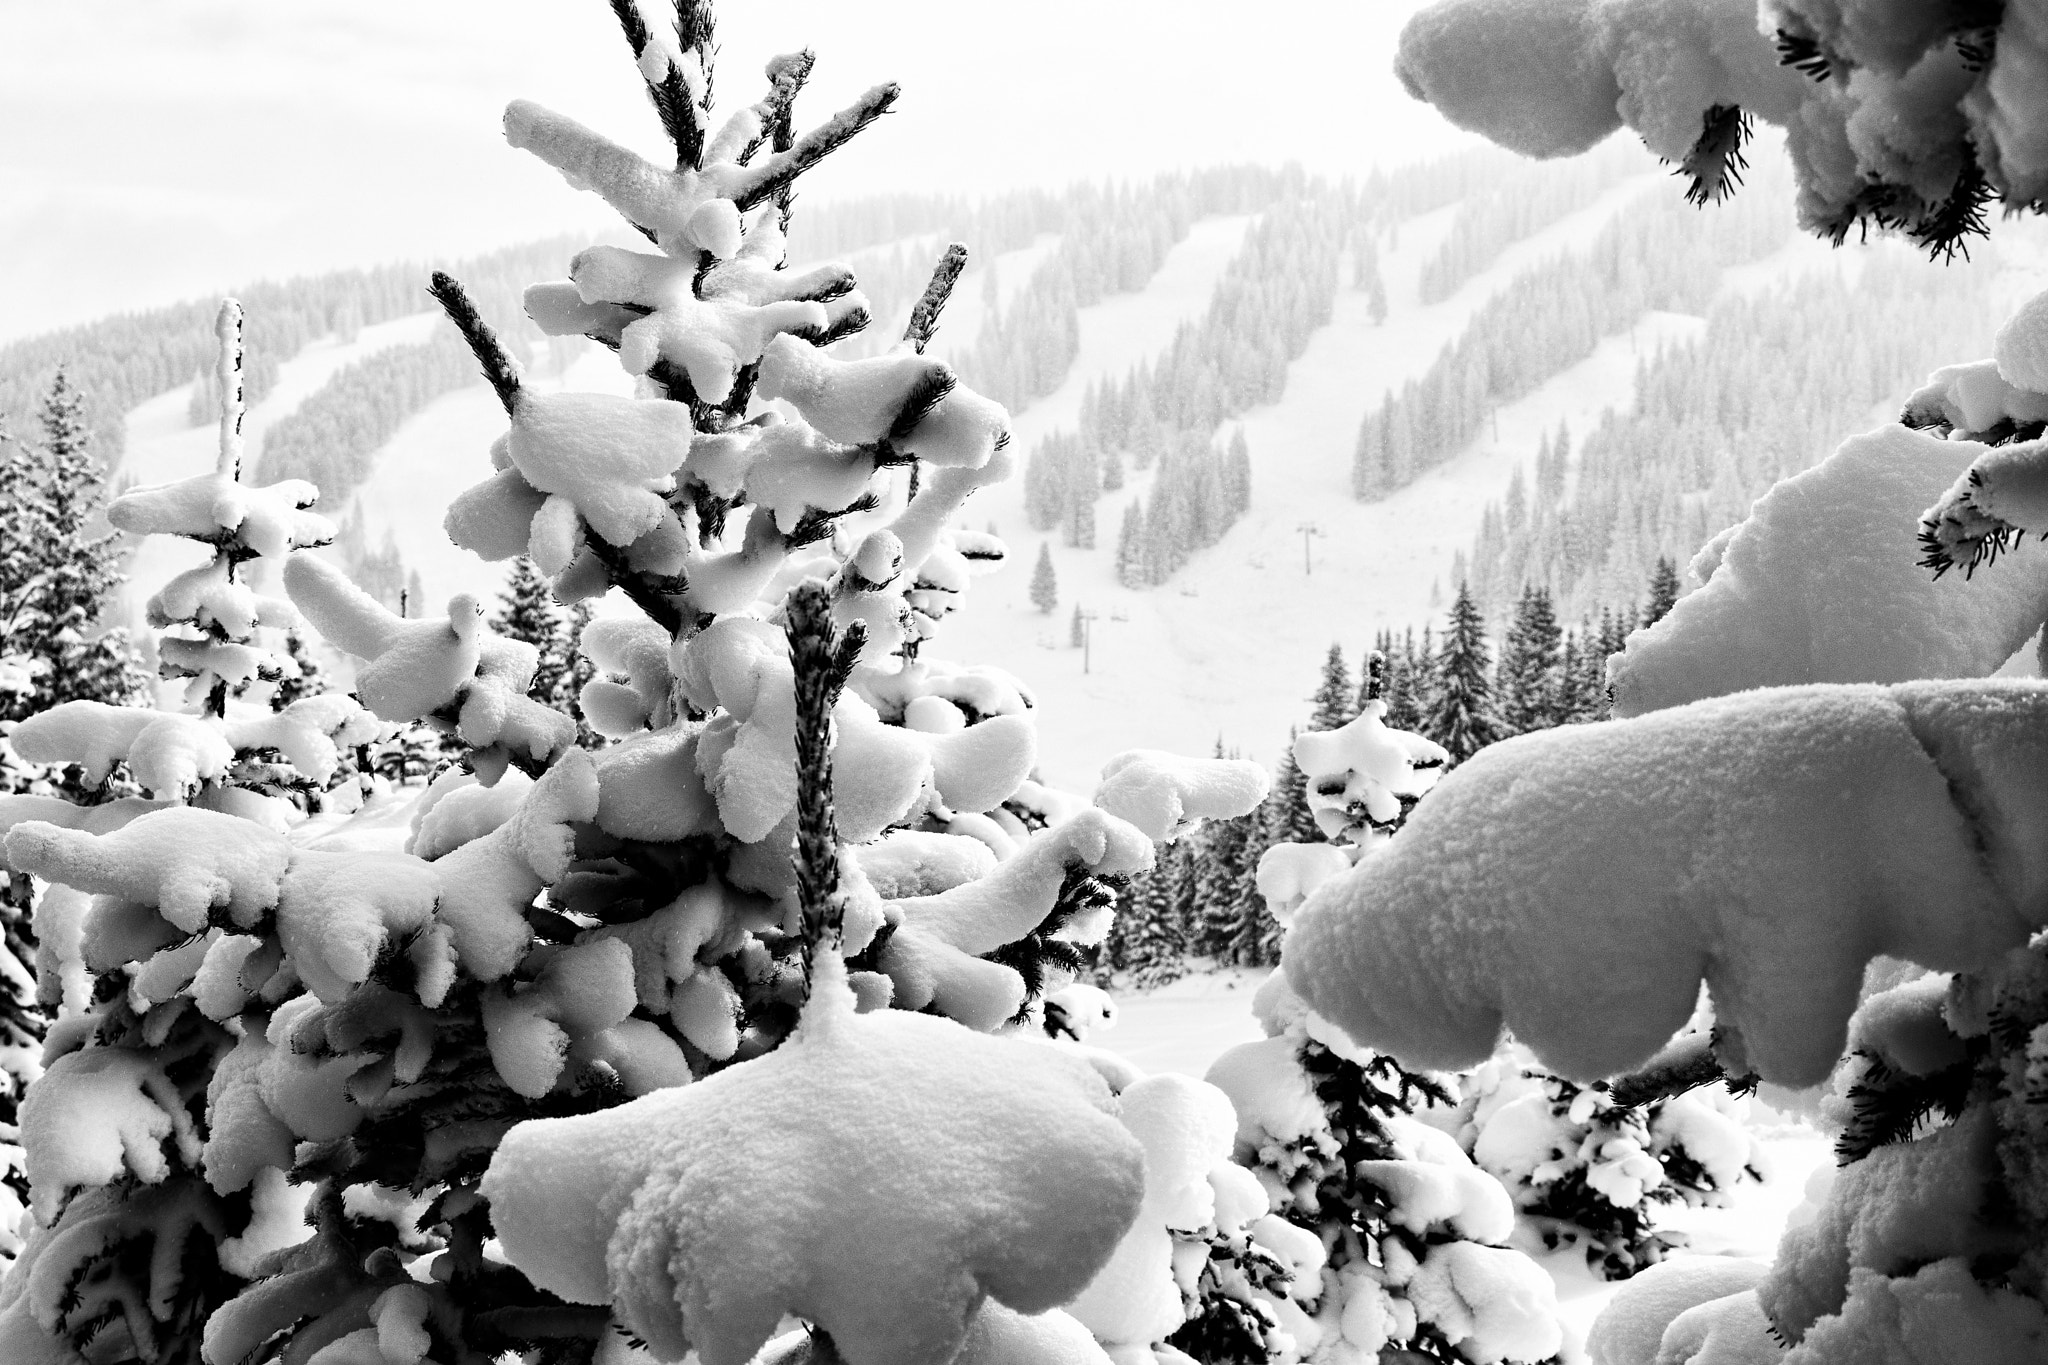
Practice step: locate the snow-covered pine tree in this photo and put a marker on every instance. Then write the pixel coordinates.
(1664, 591)
(1332, 704)
(1149, 942)
(1530, 675)
(1223, 877)
(1045, 587)
(1857, 790)
(134, 1248)
(525, 1055)
(527, 611)
(1400, 1212)
(1462, 715)
(1582, 675)
(1080, 522)
(1130, 546)
(58, 578)
(1406, 685)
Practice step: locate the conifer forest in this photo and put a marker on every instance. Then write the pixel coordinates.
(904, 724)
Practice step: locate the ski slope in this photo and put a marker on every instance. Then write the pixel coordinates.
(161, 445)
(1228, 650)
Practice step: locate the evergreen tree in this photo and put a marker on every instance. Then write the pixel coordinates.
(526, 611)
(1582, 671)
(159, 1257)
(1045, 588)
(1148, 942)
(1077, 630)
(1237, 478)
(58, 580)
(415, 1048)
(1332, 704)
(1219, 886)
(1462, 717)
(1532, 681)
(1112, 469)
(1130, 547)
(1664, 591)
(1080, 523)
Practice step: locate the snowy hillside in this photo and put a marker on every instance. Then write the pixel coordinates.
(1168, 666)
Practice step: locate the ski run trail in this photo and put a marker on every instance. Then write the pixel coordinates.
(1230, 647)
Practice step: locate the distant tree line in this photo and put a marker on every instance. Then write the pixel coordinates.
(1279, 288)
(333, 437)
(1520, 203)
(119, 362)
(1661, 255)
(1765, 391)
(1114, 241)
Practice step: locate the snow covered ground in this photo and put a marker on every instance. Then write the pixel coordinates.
(1183, 1027)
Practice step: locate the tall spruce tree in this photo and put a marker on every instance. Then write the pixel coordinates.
(1333, 703)
(58, 578)
(1220, 886)
(1130, 546)
(1664, 591)
(1462, 717)
(1045, 587)
(526, 610)
(1531, 675)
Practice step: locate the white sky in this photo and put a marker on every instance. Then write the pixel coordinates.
(157, 149)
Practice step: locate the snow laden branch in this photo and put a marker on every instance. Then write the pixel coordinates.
(1768, 843)
(1813, 586)
(924, 317)
(909, 1190)
(695, 208)
(1902, 121)
(449, 670)
(500, 370)
(820, 665)
(2001, 403)
(681, 101)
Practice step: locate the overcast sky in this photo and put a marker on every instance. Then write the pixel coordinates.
(157, 149)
